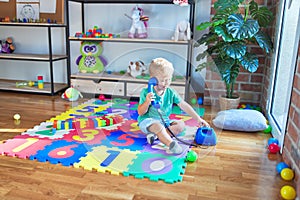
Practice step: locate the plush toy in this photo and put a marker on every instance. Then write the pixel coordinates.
(182, 31)
(181, 2)
(71, 94)
(7, 46)
(138, 27)
(90, 60)
(136, 68)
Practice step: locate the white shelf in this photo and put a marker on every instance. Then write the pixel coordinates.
(11, 86)
(49, 57)
(119, 77)
(37, 57)
(130, 40)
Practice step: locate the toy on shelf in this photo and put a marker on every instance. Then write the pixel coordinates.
(181, 2)
(90, 60)
(136, 68)
(96, 32)
(26, 83)
(40, 82)
(7, 46)
(182, 31)
(71, 94)
(138, 27)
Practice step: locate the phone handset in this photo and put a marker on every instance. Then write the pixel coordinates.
(151, 83)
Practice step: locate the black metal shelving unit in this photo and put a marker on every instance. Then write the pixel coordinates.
(100, 77)
(51, 87)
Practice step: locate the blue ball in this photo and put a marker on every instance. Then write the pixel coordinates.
(200, 101)
(273, 140)
(280, 166)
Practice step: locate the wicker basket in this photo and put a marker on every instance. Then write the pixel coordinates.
(226, 103)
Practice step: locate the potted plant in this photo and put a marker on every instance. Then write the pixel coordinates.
(236, 25)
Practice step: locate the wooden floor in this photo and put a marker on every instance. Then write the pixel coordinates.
(238, 167)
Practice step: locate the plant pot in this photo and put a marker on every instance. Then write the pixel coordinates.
(229, 103)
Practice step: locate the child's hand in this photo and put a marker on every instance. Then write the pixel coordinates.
(202, 122)
(150, 97)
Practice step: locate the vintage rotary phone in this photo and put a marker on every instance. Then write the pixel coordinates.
(151, 83)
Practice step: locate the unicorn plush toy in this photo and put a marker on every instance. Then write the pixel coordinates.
(138, 27)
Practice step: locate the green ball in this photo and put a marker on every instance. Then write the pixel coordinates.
(268, 130)
(191, 156)
(193, 101)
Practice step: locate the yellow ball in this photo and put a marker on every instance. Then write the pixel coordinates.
(287, 174)
(17, 116)
(288, 192)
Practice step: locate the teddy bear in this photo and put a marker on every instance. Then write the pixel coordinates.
(136, 68)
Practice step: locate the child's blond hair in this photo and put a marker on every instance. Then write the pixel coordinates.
(161, 66)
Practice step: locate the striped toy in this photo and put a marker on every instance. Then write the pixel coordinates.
(87, 122)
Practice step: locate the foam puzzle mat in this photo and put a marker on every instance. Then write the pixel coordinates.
(103, 136)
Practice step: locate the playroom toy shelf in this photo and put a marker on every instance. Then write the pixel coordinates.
(50, 87)
(122, 84)
(130, 40)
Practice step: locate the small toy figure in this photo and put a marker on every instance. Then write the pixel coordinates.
(182, 31)
(90, 60)
(7, 46)
(136, 68)
(181, 2)
(71, 94)
(138, 27)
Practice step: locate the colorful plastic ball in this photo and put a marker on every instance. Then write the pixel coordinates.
(288, 192)
(280, 166)
(101, 97)
(193, 101)
(17, 116)
(268, 129)
(287, 174)
(258, 108)
(200, 101)
(273, 140)
(191, 156)
(243, 106)
(273, 148)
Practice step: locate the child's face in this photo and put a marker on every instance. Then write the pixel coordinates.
(164, 81)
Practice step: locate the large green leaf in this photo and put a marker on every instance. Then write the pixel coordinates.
(249, 62)
(223, 63)
(235, 50)
(240, 29)
(203, 26)
(221, 31)
(262, 14)
(201, 56)
(201, 66)
(225, 4)
(230, 75)
(264, 41)
(223, 14)
(206, 39)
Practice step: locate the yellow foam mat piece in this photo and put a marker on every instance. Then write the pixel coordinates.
(105, 159)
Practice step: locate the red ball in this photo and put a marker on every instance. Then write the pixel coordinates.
(101, 97)
(273, 148)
